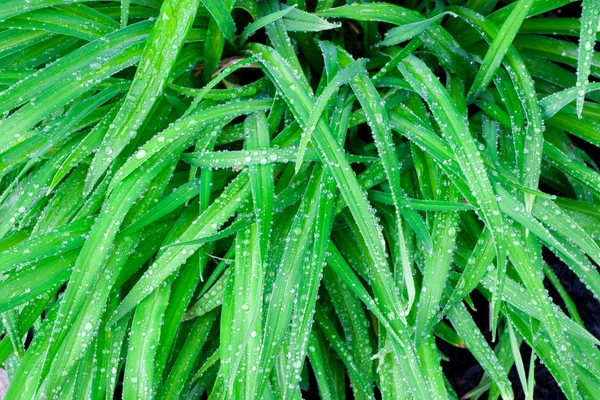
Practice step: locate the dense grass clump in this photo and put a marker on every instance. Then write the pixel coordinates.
(260, 200)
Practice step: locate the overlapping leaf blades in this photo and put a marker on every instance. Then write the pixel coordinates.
(286, 216)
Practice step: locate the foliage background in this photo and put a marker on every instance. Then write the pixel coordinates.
(239, 199)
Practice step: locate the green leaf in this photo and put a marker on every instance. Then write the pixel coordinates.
(342, 77)
(158, 58)
(559, 100)
(214, 216)
(139, 365)
(297, 97)
(590, 14)
(499, 47)
(436, 271)
(467, 155)
(301, 21)
(222, 17)
(406, 32)
(264, 21)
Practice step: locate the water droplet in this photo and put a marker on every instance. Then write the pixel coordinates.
(140, 154)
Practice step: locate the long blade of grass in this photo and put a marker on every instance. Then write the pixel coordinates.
(158, 58)
(499, 47)
(467, 155)
(590, 14)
